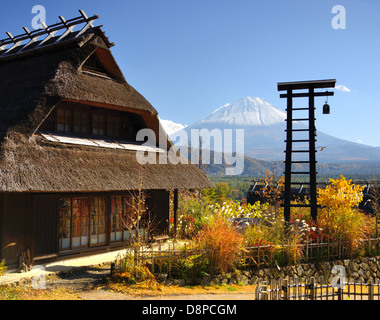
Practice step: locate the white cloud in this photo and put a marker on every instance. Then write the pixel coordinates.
(343, 88)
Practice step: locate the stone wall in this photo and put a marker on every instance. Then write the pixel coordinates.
(357, 270)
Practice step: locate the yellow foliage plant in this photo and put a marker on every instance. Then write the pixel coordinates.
(339, 218)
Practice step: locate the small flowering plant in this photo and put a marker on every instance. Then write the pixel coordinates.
(232, 209)
(194, 211)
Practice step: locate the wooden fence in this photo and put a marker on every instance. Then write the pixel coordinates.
(160, 259)
(317, 289)
(261, 256)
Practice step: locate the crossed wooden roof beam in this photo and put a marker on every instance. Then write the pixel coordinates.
(13, 44)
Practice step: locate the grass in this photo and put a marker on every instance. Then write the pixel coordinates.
(139, 290)
(27, 293)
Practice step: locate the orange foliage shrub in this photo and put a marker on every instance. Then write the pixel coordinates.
(223, 241)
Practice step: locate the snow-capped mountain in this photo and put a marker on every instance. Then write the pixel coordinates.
(171, 127)
(251, 111)
(264, 134)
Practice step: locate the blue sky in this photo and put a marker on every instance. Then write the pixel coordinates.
(190, 57)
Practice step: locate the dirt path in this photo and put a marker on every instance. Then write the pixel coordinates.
(107, 295)
(90, 284)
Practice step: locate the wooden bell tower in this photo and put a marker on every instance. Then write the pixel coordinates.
(307, 90)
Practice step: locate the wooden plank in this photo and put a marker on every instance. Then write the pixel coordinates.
(312, 158)
(306, 95)
(305, 140)
(87, 25)
(300, 151)
(298, 109)
(48, 31)
(288, 158)
(32, 40)
(51, 28)
(50, 34)
(301, 172)
(63, 35)
(299, 130)
(298, 85)
(15, 45)
(301, 119)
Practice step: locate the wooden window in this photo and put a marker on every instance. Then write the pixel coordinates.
(121, 213)
(133, 207)
(80, 218)
(130, 217)
(98, 124)
(82, 222)
(64, 120)
(81, 122)
(98, 220)
(65, 224)
(93, 64)
(113, 126)
(117, 219)
(85, 121)
(123, 219)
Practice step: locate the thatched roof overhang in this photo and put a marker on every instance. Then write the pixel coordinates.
(39, 165)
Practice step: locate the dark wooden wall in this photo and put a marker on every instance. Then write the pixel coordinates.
(159, 205)
(45, 225)
(1, 224)
(31, 221)
(17, 217)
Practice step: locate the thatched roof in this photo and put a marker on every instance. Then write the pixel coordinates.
(32, 84)
(39, 165)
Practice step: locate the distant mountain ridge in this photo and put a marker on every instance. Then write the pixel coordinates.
(264, 134)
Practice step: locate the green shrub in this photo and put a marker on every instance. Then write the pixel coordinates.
(128, 273)
(191, 266)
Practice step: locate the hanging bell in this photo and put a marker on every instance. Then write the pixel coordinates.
(326, 108)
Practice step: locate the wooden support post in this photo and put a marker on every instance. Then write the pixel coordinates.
(340, 289)
(312, 158)
(312, 289)
(285, 288)
(258, 256)
(175, 212)
(370, 290)
(288, 156)
(152, 260)
(169, 261)
(264, 291)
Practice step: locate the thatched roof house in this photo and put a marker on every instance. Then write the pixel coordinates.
(68, 148)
